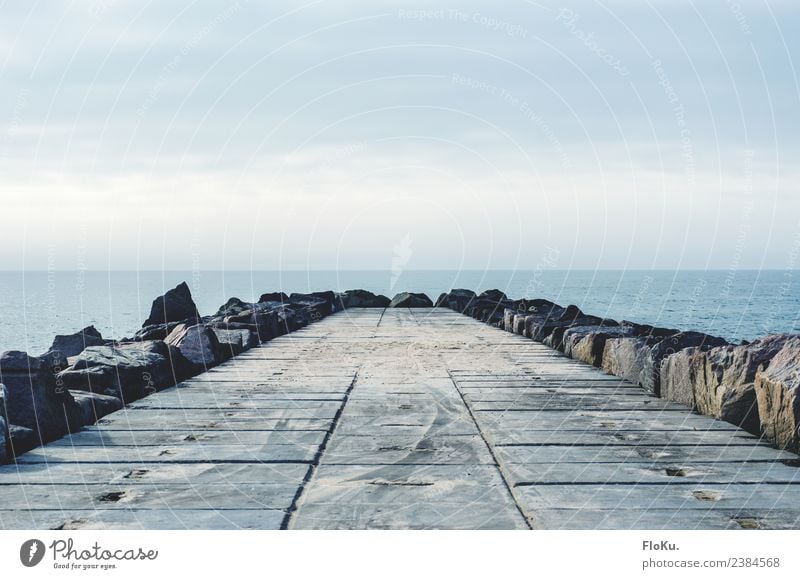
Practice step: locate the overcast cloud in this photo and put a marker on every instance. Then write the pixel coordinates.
(624, 134)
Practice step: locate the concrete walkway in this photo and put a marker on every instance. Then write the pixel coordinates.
(403, 418)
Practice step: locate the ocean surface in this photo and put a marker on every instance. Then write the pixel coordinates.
(737, 305)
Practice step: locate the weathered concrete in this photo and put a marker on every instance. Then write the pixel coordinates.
(403, 418)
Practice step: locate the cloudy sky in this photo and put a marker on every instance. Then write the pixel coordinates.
(342, 134)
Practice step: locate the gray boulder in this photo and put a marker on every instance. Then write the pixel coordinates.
(359, 298)
(233, 342)
(232, 307)
(198, 344)
(459, 300)
(508, 319)
(650, 378)
(518, 323)
(494, 295)
(153, 332)
(127, 371)
(37, 399)
(588, 343)
(176, 305)
(679, 376)
(279, 297)
(625, 357)
(411, 300)
(778, 395)
(263, 320)
(94, 406)
(314, 306)
(70, 345)
(21, 440)
(724, 380)
(5, 452)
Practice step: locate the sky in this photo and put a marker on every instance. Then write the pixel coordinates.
(358, 135)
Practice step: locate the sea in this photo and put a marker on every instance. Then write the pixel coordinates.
(737, 305)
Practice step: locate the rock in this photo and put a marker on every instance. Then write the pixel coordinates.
(490, 311)
(265, 320)
(724, 380)
(588, 343)
(777, 389)
(518, 323)
(639, 359)
(494, 295)
(66, 346)
(360, 298)
(233, 307)
(37, 399)
(5, 451)
(94, 406)
(127, 371)
(650, 377)
(197, 343)
(459, 300)
(316, 305)
(558, 330)
(233, 342)
(411, 300)
(678, 376)
(176, 305)
(21, 440)
(279, 297)
(625, 357)
(508, 319)
(153, 332)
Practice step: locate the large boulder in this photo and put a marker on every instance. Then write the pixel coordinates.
(176, 305)
(70, 345)
(359, 298)
(778, 395)
(679, 375)
(233, 342)
(494, 295)
(264, 320)
(650, 377)
(279, 297)
(94, 406)
(588, 343)
(37, 399)
(509, 316)
(315, 305)
(21, 440)
(5, 451)
(724, 380)
(198, 344)
(411, 300)
(626, 357)
(490, 306)
(127, 371)
(153, 332)
(518, 323)
(233, 307)
(459, 300)
(541, 323)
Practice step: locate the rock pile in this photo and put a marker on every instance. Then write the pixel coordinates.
(754, 385)
(83, 377)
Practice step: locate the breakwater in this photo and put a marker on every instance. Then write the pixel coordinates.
(754, 385)
(84, 376)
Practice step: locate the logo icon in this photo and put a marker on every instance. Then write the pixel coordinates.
(32, 552)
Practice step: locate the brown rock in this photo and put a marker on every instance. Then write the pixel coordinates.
(778, 396)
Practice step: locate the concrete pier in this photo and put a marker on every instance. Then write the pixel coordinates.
(397, 419)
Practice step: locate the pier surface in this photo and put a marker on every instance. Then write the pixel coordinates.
(403, 418)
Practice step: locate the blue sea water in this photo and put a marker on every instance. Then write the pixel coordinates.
(737, 305)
